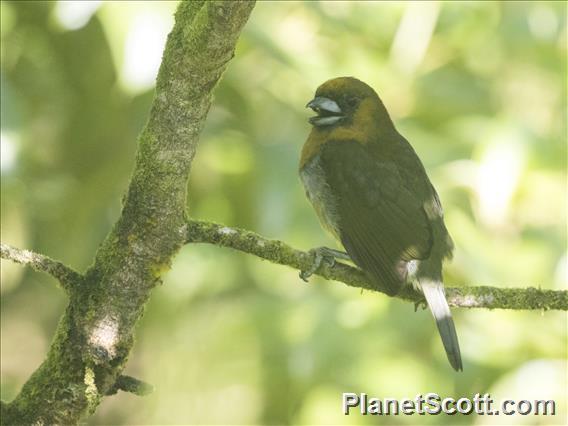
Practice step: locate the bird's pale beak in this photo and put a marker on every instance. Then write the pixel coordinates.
(328, 112)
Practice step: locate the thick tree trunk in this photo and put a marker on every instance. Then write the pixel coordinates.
(95, 334)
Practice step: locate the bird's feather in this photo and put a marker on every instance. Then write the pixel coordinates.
(382, 224)
(371, 190)
(434, 294)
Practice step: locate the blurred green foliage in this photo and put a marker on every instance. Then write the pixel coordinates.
(479, 88)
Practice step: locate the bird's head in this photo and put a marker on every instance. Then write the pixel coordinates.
(346, 102)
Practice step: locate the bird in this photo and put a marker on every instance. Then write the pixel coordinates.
(370, 190)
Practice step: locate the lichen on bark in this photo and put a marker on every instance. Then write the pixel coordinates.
(95, 334)
(199, 231)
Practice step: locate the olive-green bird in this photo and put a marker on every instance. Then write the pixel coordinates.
(370, 190)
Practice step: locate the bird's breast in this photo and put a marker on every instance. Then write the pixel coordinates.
(320, 195)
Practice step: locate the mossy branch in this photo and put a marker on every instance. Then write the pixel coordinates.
(67, 277)
(95, 334)
(131, 385)
(278, 252)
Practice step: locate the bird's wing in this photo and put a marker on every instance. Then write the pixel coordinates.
(382, 222)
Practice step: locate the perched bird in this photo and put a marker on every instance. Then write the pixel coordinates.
(370, 190)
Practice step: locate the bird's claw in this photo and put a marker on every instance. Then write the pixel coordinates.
(305, 275)
(318, 259)
(420, 304)
(322, 255)
(415, 286)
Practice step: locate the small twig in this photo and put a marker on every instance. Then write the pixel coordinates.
(132, 385)
(66, 276)
(281, 253)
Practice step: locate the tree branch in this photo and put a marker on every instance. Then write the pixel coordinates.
(64, 274)
(95, 335)
(132, 385)
(281, 253)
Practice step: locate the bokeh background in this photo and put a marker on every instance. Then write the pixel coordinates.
(478, 88)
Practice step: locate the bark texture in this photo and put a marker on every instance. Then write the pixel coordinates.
(275, 251)
(95, 334)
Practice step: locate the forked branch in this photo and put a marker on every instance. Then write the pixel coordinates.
(63, 273)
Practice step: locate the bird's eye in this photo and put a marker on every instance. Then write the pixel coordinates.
(351, 101)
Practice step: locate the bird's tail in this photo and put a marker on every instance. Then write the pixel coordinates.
(434, 293)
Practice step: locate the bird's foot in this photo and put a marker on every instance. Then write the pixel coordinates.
(322, 255)
(420, 304)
